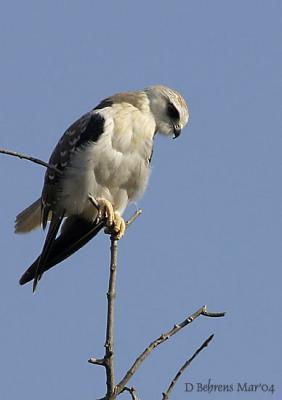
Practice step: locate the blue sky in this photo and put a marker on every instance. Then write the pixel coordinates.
(211, 228)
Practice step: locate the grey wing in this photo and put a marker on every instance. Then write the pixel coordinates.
(88, 128)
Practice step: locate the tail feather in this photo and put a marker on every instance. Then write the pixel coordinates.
(49, 242)
(75, 233)
(29, 219)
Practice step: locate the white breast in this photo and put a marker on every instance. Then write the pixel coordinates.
(115, 167)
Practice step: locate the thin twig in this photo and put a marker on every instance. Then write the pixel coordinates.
(29, 158)
(132, 392)
(134, 217)
(165, 336)
(206, 313)
(93, 201)
(184, 366)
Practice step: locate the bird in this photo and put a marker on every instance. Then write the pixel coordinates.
(106, 154)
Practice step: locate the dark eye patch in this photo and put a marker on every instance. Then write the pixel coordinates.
(172, 111)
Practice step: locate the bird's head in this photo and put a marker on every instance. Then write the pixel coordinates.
(169, 109)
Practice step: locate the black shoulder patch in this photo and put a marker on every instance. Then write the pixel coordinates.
(87, 128)
(93, 130)
(104, 103)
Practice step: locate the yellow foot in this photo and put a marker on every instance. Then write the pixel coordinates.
(115, 223)
(118, 226)
(105, 210)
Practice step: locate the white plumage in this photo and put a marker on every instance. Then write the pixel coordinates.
(116, 167)
(105, 153)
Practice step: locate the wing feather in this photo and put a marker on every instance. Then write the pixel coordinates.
(75, 233)
(86, 129)
(49, 241)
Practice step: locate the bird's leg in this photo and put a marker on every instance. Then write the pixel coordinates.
(118, 226)
(115, 223)
(105, 210)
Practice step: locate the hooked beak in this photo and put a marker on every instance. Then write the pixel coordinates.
(176, 131)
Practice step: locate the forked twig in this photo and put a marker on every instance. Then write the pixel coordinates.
(114, 390)
(161, 339)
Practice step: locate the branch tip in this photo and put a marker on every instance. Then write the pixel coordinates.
(97, 361)
(165, 395)
(134, 217)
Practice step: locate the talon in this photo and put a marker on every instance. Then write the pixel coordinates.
(118, 226)
(105, 210)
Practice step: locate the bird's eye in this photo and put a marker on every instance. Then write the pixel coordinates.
(172, 111)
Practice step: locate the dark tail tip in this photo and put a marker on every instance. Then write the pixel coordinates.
(23, 280)
(27, 276)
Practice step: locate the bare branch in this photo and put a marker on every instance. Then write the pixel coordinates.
(111, 295)
(184, 366)
(109, 345)
(29, 158)
(165, 336)
(108, 361)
